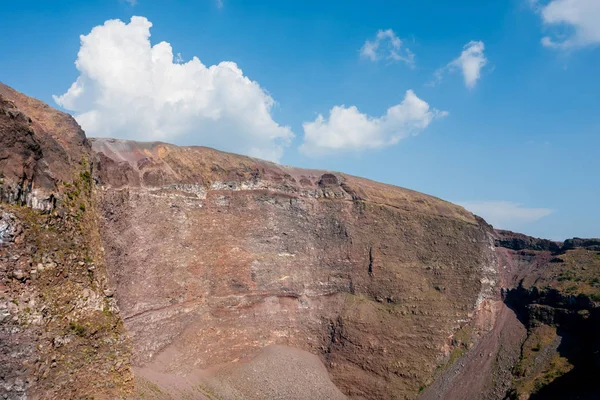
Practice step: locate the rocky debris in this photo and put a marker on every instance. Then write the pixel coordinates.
(279, 372)
(276, 372)
(54, 318)
(483, 370)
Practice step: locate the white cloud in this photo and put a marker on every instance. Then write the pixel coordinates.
(505, 214)
(220, 3)
(387, 46)
(129, 89)
(470, 63)
(131, 2)
(580, 17)
(347, 129)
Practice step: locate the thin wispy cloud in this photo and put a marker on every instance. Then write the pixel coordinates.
(387, 46)
(131, 2)
(505, 214)
(574, 23)
(347, 129)
(470, 62)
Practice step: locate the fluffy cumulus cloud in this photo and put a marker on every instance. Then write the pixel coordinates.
(347, 129)
(130, 89)
(470, 63)
(579, 20)
(387, 46)
(505, 214)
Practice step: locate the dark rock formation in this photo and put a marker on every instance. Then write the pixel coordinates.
(590, 244)
(518, 241)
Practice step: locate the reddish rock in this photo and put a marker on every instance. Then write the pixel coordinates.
(39, 150)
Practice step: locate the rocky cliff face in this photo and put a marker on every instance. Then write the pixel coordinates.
(61, 336)
(223, 255)
(39, 147)
(198, 273)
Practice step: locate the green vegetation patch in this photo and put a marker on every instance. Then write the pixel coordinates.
(578, 274)
(540, 363)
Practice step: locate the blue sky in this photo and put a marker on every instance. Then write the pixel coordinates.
(514, 136)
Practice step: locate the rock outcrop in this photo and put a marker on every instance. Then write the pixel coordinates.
(518, 241)
(148, 270)
(39, 147)
(589, 244)
(61, 337)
